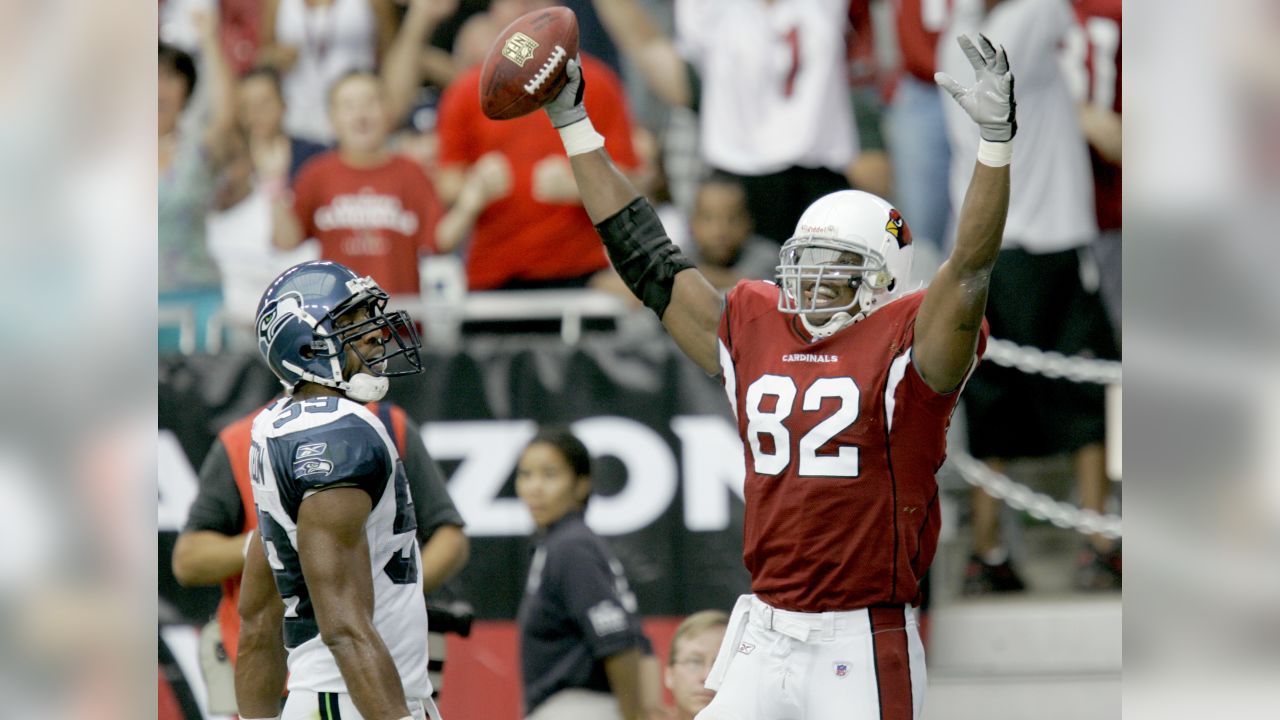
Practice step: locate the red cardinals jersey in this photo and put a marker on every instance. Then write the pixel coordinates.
(375, 220)
(1095, 50)
(842, 440)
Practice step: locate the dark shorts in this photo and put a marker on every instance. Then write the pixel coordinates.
(1038, 300)
(778, 200)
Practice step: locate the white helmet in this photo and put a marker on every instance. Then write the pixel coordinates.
(848, 221)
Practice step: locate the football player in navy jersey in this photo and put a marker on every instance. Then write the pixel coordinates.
(335, 518)
(842, 381)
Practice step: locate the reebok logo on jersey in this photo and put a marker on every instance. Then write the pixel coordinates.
(746, 648)
(312, 467)
(809, 357)
(312, 450)
(607, 618)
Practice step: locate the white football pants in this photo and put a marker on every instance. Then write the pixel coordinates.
(774, 664)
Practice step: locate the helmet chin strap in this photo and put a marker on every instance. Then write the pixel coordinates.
(832, 325)
(363, 387)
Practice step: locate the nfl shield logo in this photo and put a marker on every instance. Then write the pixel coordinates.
(841, 668)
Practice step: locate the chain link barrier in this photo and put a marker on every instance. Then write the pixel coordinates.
(1019, 496)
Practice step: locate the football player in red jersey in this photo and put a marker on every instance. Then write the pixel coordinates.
(842, 381)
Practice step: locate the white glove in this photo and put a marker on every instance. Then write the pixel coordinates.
(566, 108)
(989, 101)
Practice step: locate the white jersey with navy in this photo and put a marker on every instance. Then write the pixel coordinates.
(303, 447)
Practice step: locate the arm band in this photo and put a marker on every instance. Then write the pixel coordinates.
(995, 154)
(642, 254)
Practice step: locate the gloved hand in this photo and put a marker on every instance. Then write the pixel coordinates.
(566, 108)
(989, 101)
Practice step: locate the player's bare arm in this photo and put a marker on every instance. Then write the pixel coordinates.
(650, 264)
(950, 316)
(261, 658)
(334, 554)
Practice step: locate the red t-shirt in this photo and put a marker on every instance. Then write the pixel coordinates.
(517, 237)
(1100, 22)
(918, 24)
(842, 440)
(375, 221)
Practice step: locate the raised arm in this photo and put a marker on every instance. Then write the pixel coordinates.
(401, 71)
(221, 86)
(260, 660)
(645, 45)
(950, 316)
(649, 263)
(335, 562)
(271, 52)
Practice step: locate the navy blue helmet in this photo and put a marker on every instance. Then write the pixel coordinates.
(296, 332)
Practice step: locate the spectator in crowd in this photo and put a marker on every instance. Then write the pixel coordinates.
(260, 111)
(726, 249)
(1093, 54)
(917, 132)
(191, 128)
(371, 209)
(693, 650)
(259, 156)
(509, 185)
(210, 549)
(771, 85)
(1038, 297)
(238, 230)
(313, 43)
(582, 651)
(1097, 34)
(871, 170)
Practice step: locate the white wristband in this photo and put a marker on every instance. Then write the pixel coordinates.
(995, 154)
(580, 138)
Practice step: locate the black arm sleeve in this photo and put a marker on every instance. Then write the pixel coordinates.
(643, 255)
(217, 506)
(432, 506)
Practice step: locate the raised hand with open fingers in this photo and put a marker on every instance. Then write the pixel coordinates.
(989, 101)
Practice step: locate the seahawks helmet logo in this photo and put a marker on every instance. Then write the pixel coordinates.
(273, 316)
(897, 227)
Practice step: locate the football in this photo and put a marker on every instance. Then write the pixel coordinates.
(525, 66)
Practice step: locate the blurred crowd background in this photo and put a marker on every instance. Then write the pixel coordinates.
(83, 227)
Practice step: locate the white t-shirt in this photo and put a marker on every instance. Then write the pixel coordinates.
(1051, 193)
(331, 40)
(775, 86)
(240, 241)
